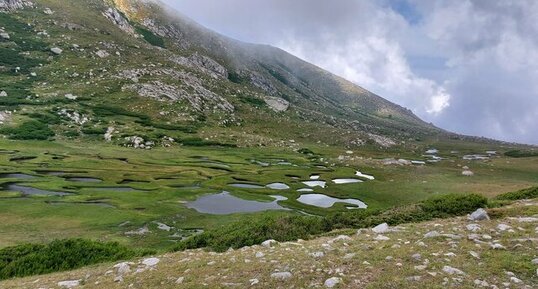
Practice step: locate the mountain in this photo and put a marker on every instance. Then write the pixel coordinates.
(86, 64)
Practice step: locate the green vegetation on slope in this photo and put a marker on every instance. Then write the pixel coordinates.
(288, 228)
(61, 255)
(29, 130)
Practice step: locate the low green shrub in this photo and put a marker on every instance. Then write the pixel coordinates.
(150, 37)
(256, 102)
(287, 228)
(529, 193)
(29, 130)
(255, 231)
(198, 142)
(453, 205)
(520, 154)
(61, 255)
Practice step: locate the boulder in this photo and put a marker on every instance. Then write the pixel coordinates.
(281, 275)
(3, 93)
(479, 215)
(381, 229)
(269, 243)
(452, 271)
(56, 50)
(332, 282)
(151, 262)
(69, 284)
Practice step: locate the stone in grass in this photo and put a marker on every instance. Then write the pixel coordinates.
(281, 275)
(381, 229)
(56, 50)
(332, 282)
(3, 93)
(69, 284)
(479, 215)
(452, 271)
(269, 243)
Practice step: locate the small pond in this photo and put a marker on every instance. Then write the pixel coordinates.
(114, 189)
(305, 190)
(224, 203)
(28, 191)
(278, 186)
(324, 201)
(84, 180)
(313, 184)
(346, 181)
(246, 186)
(361, 175)
(16, 176)
(97, 204)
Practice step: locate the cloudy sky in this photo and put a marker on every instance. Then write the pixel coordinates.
(469, 66)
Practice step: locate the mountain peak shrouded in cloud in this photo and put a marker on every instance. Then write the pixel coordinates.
(467, 66)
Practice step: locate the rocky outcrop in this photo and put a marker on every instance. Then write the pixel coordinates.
(10, 5)
(203, 64)
(117, 18)
(190, 89)
(277, 104)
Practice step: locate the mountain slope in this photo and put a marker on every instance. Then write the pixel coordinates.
(133, 68)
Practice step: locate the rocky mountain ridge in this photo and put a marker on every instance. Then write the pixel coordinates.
(136, 54)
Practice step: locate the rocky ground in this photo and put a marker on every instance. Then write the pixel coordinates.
(500, 252)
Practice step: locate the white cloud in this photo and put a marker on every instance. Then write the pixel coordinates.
(469, 66)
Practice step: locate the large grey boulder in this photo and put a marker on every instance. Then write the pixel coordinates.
(56, 50)
(381, 228)
(479, 215)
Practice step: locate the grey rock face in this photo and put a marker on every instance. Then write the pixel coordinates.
(191, 89)
(117, 18)
(203, 64)
(277, 104)
(10, 5)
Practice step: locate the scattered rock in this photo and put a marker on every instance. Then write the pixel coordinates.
(71, 96)
(432, 234)
(69, 284)
(452, 271)
(108, 134)
(332, 282)
(3, 93)
(479, 215)
(48, 11)
(467, 173)
(497, 246)
(381, 229)
(259, 255)
(269, 243)
(122, 268)
(281, 275)
(318, 254)
(473, 227)
(102, 54)
(56, 50)
(381, 238)
(151, 262)
(503, 227)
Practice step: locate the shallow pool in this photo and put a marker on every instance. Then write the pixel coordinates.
(225, 203)
(324, 201)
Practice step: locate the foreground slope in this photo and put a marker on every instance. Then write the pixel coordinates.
(497, 253)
